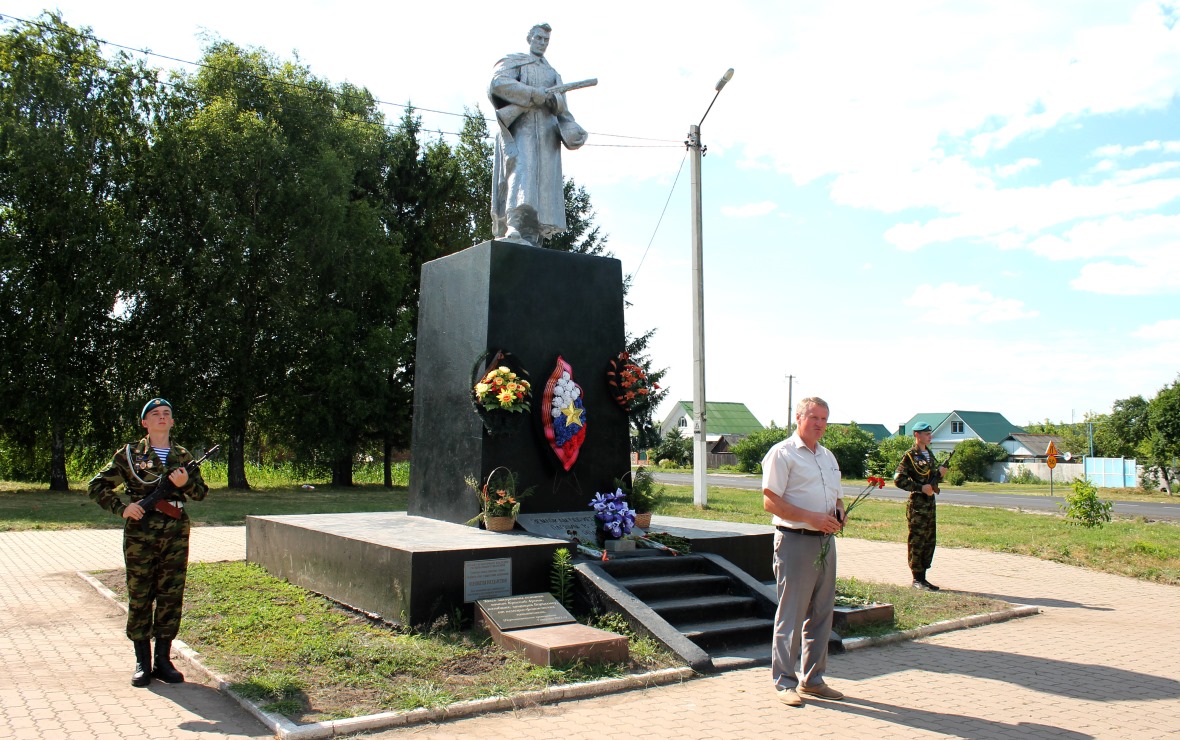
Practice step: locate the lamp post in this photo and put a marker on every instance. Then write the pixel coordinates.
(700, 455)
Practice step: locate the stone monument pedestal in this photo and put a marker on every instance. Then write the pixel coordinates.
(537, 304)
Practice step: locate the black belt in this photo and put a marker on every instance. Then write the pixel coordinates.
(812, 532)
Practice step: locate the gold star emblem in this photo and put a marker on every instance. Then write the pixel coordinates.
(573, 415)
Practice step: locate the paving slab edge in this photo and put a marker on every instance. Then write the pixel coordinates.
(287, 730)
(947, 625)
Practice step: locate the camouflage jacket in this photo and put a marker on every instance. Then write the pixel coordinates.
(913, 472)
(102, 487)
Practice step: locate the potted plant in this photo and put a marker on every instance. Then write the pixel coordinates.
(613, 520)
(640, 487)
(499, 500)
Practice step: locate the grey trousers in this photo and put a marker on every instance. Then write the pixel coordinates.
(803, 621)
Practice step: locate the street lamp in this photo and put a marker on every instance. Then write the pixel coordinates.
(700, 455)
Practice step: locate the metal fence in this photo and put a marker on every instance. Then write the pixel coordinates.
(1112, 472)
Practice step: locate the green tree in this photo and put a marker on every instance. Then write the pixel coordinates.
(852, 447)
(1074, 437)
(1163, 445)
(72, 135)
(582, 235)
(645, 434)
(753, 448)
(1125, 428)
(974, 457)
(673, 447)
(475, 162)
(885, 458)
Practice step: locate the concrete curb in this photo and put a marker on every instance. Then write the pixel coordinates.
(1019, 610)
(285, 729)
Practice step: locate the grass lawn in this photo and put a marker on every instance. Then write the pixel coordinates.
(300, 655)
(303, 656)
(1131, 547)
(23, 507)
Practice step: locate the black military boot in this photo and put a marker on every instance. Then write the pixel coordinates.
(143, 663)
(921, 583)
(164, 669)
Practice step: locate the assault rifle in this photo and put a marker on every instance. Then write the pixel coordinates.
(157, 501)
(934, 470)
(509, 113)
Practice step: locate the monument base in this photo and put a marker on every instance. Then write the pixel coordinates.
(409, 570)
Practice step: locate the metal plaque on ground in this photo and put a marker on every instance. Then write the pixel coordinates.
(486, 579)
(527, 610)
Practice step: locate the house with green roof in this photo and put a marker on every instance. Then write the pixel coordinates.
(721, 419)
(880, 432)
(952, 428)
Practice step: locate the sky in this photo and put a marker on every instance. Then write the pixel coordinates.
(910, 207)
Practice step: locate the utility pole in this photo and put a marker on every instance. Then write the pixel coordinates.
(700, 454)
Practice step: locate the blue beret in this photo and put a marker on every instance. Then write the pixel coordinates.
(155, 403)
(919, 427)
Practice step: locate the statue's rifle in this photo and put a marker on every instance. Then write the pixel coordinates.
(509, 113)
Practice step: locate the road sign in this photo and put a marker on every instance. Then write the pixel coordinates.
(1051, 461)
(1052, 450)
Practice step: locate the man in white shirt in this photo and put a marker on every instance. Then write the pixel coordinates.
(801, 489)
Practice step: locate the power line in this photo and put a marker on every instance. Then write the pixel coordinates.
(148, 52)
(661, 218)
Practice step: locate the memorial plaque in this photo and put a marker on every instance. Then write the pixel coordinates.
(527, 610)
(486, 579)
(560, 526)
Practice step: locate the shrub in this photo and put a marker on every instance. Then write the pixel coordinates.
(668, 464)
(851, 445)
(954, 478)
(675, 448)
(974, 457)
(1083, 507)
(754, 447)
(884, 459)
(1025, 477)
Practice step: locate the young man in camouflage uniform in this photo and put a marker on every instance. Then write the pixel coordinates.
(918, 474)
(155, 543)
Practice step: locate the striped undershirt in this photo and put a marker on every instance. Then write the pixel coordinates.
(162, 453)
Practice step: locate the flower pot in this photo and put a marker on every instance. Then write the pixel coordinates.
(499, 523)
(643, 521)
(619, 545)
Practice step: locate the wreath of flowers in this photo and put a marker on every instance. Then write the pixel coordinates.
(629, 384)
(501, 389)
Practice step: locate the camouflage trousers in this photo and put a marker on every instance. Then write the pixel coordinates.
(156, 556)
(922, 518)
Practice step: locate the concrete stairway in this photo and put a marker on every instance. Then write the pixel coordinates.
(709, 612)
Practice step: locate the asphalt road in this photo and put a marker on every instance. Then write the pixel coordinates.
(1149, 509)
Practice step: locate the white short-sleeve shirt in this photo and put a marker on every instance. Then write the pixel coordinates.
(809, 480)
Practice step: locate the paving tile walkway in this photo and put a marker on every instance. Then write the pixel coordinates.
(1102, 661)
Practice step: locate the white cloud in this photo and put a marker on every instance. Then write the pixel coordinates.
(749, 210)
(954, 304)
(1017, 167)
(1029, 211)
(1167, 330)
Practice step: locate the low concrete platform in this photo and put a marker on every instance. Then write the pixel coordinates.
(407, 569)
(566, 643)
